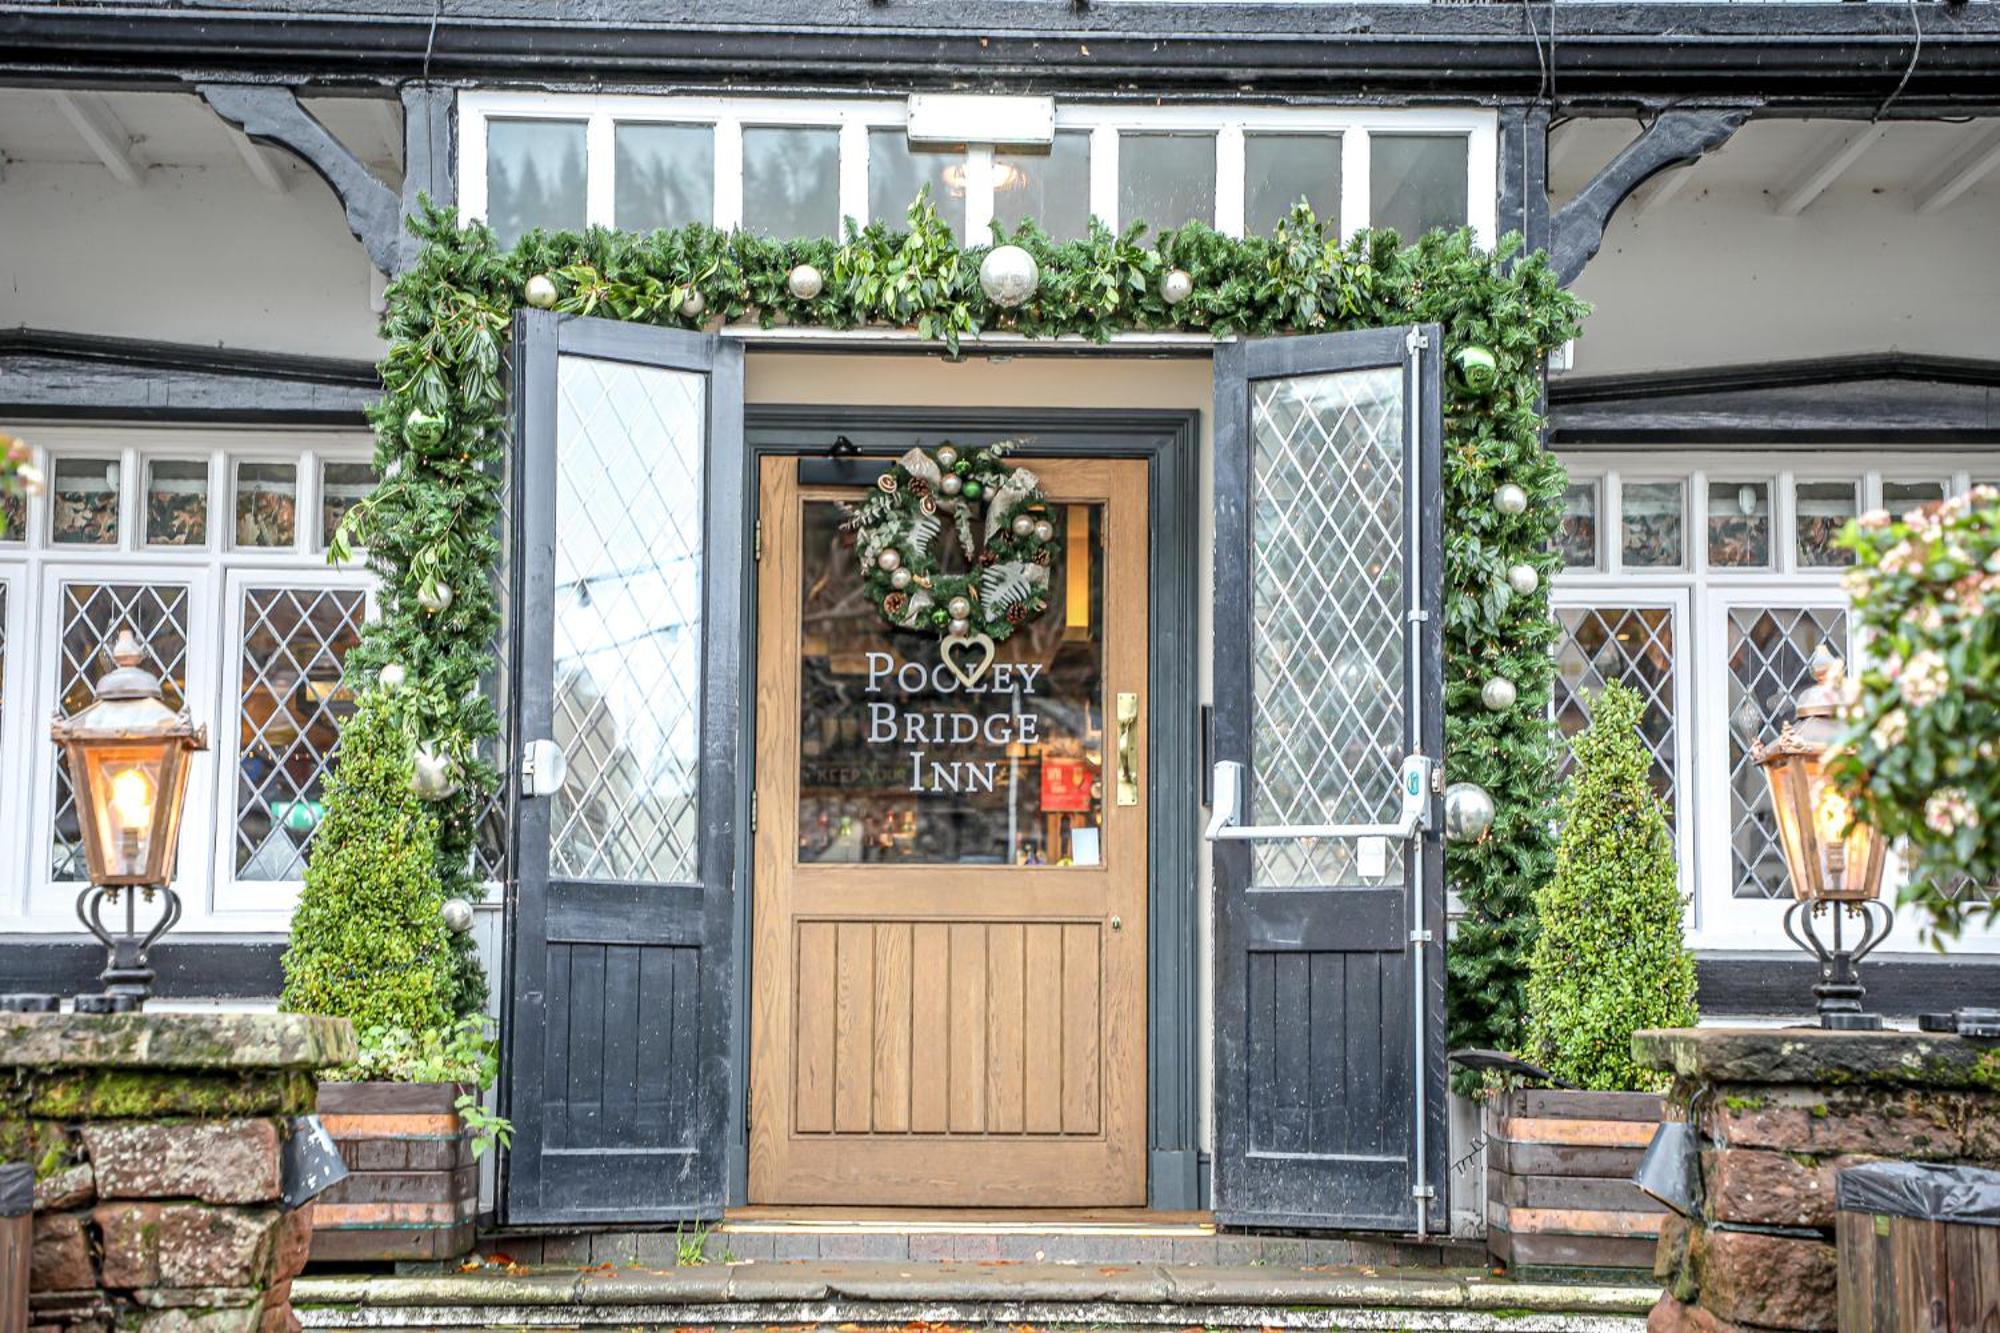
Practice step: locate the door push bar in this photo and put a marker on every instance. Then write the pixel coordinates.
(1414, 784)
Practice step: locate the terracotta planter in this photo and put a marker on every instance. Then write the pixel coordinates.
(1559, 1191)
(413, 1189)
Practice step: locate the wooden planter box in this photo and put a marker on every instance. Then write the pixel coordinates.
(1559, 1191)
(412, 1189)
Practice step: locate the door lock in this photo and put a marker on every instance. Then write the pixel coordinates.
(1118, 923)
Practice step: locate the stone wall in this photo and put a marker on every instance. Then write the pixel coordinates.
(1777, 1113)
(157, 1145)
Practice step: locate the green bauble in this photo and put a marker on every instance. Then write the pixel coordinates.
(423, 429)
(939, 618)
(971, 490)
(963, 466)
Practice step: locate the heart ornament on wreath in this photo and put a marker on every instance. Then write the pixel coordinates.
(1001, 519)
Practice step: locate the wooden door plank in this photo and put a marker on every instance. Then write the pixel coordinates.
(1328, 1130)
(1082, 1030)
(1291, 1080)
(654, 1099)
(586, 1046)
(1361, 1019)
(621, 1042)
(893, 1021)
(968, 1029)
(555, 1052)
(1006, 1054)
(813, 982)
(1045, 1031)
(930, 1028)
(854, 1028)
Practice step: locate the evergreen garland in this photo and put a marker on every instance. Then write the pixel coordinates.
(442, 444)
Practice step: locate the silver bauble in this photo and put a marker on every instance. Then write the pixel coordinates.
(1523, 579)
(805, 282)
(1176, 285)
(434, 595)
(693, 306)
(457, 914)
(959, 607)
(951, 483)
(1045, 531)
(961, 626)
(1510, 499)
(432, 775)
(1498, 694)
(392, 676)
(899, 578)
(540, 291)
(947, 456)
(1009, 275)
(890, 559)
(1023, 525)
(1468, 812)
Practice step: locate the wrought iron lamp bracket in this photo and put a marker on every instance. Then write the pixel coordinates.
(128, 972)
(1839, 990)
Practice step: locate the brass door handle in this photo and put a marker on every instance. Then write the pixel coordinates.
(1128, 751)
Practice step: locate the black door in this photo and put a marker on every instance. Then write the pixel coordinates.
(1328, 712)
(628, 498)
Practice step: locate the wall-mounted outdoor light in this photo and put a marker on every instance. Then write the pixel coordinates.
(128, 756)
(1834, 859)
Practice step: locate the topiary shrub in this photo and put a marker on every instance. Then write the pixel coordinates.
(369, 942)
(1609, 958)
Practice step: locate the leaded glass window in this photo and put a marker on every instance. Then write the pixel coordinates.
(1770, 650)
(1635, 647)
(290, 704)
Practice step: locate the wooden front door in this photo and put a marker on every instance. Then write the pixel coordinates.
(949, 959)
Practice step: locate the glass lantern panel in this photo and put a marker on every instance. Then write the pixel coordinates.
(664, 177)
(267, 501)
(1650, 524)
(897, 173)
(1053, 188)
(1165, 180)
(84, 502)
(1823, 509)
(1281, 169)
(1576, 539)
(1739, 524)
(1417, 182)
(123, 808)
(176, 502)
(791, 181)
(899, 762)
(535, 177)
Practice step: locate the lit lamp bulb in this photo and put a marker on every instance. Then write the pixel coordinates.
(1833, 815)
(132, 814)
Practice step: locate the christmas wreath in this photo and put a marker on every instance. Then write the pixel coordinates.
(1002, 522)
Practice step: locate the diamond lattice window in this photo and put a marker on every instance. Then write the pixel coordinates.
(1635, 647)
(290, 705)
(1327, 717)
(628, 622)
(92, 614)
(1770, 650)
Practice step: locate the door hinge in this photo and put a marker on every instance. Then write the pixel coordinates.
(753, 810)
(757, 540)
(1423, 1192)
(1416, 340)
(1418, 616)
(1421, 937)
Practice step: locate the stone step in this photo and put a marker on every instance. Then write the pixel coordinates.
(1040, 1295)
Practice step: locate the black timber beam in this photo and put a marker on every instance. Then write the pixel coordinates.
(1804, 55)
(1523, 204)
(1674, 137)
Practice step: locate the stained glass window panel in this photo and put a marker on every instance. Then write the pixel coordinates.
(1165, 180)
(1823, 509)
(1650, 524)
(1053, 188)
(267, 502)
(1327, 711)
(627, 584)
(1770, 652)
(535, 177)
(791, 181)
(176, 502)
(1635, 647)
(1739, 524)
(1577, 537)
(290, 704)
(665, 176)
(84, 502)
(91, 616)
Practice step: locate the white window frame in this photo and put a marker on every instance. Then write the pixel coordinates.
(1717, 919)
(32, 570)
(600, 114)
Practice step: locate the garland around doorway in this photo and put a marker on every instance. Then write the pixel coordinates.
(432, 529)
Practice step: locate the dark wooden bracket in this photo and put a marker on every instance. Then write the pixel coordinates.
(1673, 138)
(272, 114)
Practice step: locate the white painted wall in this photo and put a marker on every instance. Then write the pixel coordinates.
(196, 254)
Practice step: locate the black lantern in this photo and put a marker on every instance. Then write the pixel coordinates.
(1835, 860)
(128, 756)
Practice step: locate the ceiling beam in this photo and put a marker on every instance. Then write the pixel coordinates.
(91, 116)
(1837, 153)
(1960, 172)
(263, 164)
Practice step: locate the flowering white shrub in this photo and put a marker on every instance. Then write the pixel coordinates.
(1917, 760)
